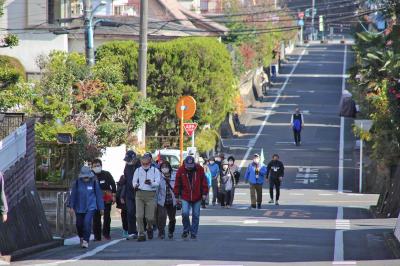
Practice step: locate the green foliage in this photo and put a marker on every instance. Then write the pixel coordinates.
(47, 131)
(189, 66)
(206, 140)
(112, 133)
(11, 40)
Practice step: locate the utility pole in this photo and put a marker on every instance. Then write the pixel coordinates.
(87, 16)
(142, 80)
(312, 20)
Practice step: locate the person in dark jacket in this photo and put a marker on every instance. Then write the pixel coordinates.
(3, 201)
(107, 185)
(275, 173)
(190, 188)
(85, 199)
(297, 124)
(122, 206)
(128, 192)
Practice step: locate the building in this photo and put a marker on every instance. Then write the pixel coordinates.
(36, 22)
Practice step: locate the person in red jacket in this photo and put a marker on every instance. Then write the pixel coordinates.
(190, 188)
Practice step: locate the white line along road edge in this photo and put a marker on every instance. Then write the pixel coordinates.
(339, 246)
(268, 113)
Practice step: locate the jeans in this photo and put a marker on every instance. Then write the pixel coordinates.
(84, 224)
(106, 222)
(297, 136)
(195, 206)
(131, 215)
(215, 190)
(277, 183)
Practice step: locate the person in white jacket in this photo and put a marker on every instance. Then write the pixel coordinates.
(146, 181)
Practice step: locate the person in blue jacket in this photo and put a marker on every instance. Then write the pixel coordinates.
(86, 198)
(255, 175)
(215, 173)
(207, 173)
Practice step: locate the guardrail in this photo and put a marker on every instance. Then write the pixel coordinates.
(64, 221)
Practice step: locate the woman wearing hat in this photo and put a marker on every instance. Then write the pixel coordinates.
(86, 198)
(226, 185)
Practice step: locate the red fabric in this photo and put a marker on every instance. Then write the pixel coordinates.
(107, 197)
(185, 190)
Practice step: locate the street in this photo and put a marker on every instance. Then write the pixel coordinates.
(322, 220)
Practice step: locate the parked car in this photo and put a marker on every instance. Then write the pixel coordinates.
(171, 155)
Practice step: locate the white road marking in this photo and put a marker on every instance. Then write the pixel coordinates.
(339, 247)
(296, 194)
(344, 263)
(341, 147)
(316, 76)
(250, 222)
(88, 254)
(268, 113)
(325, 194)
(263, 239)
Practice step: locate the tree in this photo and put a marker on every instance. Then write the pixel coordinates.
(200, 67)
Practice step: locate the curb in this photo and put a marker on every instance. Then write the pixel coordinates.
(31, 250)
(393, 244)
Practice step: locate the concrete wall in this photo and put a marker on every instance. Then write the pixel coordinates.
(27, 225)
(35, 43)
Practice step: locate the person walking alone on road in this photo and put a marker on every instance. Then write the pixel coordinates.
(236, 174)
(122, 206)
(85, 199)
(146, 180)
(226, 185)
(128, 192)
(276, 171)
(166, 201)
(190, 188)
(107, 185)
(255, 174)
(215, 173)
(3, 201)
(297, 124)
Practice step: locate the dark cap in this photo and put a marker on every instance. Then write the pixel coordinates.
(189, 162)
(130, 156)
(147, 156)
(256, 155)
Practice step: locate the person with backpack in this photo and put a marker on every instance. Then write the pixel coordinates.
(215, 173)
(297, 124)
(107, 185)
(86, 198)
(226, 185)
(128, 192)
(190, 188)
(166, 201)
(146, 181)
(255, 174)
(233, 168)
(122, 206)
(275, 174)
(3, 201)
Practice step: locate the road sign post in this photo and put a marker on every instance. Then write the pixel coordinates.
(185, 110)
(190, 128)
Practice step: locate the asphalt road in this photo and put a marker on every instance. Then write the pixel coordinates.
(321, 219)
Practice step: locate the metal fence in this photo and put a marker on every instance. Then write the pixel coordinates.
(65, 224)
(10, 122)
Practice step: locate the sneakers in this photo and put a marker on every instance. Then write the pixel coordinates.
(141, 238)
(253, 206)
(107, 237)
(125, 234)
(271, 201)
(185, 235)
(132, 236)
(150, 234)
(259, 206)
(193, 237)
(85, 244)
(276, 203)
(170, 235)
(161, 236)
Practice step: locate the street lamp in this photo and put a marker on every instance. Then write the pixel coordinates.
(88, 17)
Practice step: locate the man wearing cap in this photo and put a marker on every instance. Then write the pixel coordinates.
(190, 188)
(86, 198)
(3, 201)
(255, 175)
(146, 181)
(128, 192)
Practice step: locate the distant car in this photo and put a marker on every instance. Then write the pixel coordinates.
(171, 155)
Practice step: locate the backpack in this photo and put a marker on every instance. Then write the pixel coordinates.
(297, 125)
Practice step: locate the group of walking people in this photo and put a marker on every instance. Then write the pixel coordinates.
(147, 193)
